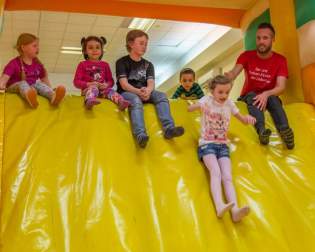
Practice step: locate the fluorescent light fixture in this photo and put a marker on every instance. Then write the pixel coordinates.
(73, 48)
(141, 23)
(70, 52)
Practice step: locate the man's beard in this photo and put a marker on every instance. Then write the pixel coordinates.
(264, 50)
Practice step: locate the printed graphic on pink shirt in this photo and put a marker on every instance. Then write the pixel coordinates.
(95, 72)
(215, 126)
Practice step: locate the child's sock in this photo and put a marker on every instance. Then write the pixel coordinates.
(58, 95)
(239, 213)
(212, 164)
(123, 104)
(89, 103)
(116, 98)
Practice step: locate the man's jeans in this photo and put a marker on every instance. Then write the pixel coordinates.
(162, 106)
(274, 106)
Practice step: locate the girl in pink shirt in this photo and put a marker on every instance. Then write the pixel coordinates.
(26, 75)
(94, 77)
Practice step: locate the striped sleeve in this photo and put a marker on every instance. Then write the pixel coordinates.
(177, 93)
(198, 91)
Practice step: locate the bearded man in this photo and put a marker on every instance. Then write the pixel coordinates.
(266, 73)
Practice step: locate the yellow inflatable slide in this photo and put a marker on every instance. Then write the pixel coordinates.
(74, 180)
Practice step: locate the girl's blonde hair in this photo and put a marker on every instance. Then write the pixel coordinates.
(25, 39)
(218, 80)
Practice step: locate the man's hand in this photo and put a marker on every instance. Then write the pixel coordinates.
(261, 101)
(229, 75)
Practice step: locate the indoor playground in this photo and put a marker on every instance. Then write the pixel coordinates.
(74, 180)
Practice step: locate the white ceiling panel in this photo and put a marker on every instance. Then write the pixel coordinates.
(82, 19)
(26, 16)
(109, 21)
(81, 28)
(52, 26)
(55, 17)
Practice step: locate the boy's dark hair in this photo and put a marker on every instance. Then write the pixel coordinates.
(267, 26)
(84, 42)
(187, 71)
(218, 80)
(132, 35)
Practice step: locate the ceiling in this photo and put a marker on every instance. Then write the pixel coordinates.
(222, 12)
(169, 40)
(230, 4)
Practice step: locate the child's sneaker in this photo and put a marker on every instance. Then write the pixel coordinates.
(142, 140)
(31, 97)
(58, 95)
(287, 136)
(123, 104)
(174, 132)
(89, 103)
(264, 136)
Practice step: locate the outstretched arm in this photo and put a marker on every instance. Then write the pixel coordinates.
(234, 72)
(3, 81)
(194, 107)
(246, 119)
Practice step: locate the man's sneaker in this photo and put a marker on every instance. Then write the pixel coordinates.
(142, 140)
(174, 132)
(287, 136)
(89, 103)
(58, 95)
(264, 136)
(31, 97)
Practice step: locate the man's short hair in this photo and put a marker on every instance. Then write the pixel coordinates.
(267, 26)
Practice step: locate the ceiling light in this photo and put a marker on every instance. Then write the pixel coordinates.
(71, 48)
(70, 52)
(141, 24)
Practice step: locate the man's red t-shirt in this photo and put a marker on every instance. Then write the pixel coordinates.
(261, 74)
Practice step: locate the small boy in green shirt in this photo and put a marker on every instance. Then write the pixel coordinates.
(188, 90)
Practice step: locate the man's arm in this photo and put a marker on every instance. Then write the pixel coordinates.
(234, 72)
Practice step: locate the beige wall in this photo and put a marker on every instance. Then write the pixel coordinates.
(220, 65)
(227, 65)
